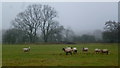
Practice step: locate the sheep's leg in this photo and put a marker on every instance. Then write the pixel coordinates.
(74, 52)
(66, 53)
(107, 52)
(71, 53)
(96, 52)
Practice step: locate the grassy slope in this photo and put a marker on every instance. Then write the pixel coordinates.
(52, 55)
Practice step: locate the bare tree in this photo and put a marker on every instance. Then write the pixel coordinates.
(56, 35)
(37, 16)
(48, 25)
(29, 21)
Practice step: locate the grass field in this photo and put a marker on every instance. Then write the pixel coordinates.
(52, 55)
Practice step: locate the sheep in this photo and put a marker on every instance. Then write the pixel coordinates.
(26, 49)
(74, 50)
(105, 51)
(67, 50)
(84, 49)
(97, 50)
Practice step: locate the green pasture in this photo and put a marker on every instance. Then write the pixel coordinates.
(52, 55)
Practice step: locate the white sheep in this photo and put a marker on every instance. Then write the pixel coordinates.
(105, 51)
(85, 49)
(67, 50)
(26, 49)
(74, 50)
(97, 50)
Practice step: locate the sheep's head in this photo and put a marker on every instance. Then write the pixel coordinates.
(83, 48)
(63, 49)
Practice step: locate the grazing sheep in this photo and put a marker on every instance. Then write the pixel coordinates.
(26, 49)
(106, 51)
(85, 49)
(74, 50)
(67, 50)
(97, 50)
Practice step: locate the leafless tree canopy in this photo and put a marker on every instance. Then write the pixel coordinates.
(34, 17)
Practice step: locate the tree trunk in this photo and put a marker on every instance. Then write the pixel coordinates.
(45, 38)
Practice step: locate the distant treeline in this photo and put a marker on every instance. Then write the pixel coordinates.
(109, 35)
(37, 24)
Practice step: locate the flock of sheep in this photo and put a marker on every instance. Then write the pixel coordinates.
(74, 50)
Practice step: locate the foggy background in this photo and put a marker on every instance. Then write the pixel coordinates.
(81, 17)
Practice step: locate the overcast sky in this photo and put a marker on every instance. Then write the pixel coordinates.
(79, 16)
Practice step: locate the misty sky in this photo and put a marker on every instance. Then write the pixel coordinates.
(79, 16)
